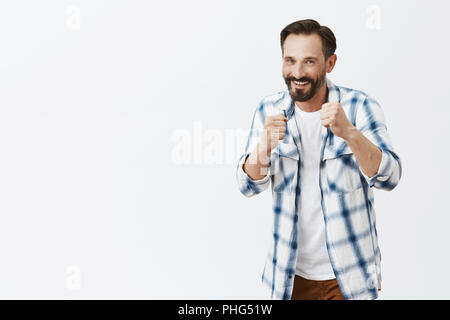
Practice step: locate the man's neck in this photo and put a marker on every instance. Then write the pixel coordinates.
(316, 102)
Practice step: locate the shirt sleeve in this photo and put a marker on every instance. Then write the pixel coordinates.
(247, 185)
(371, 122)
(245, 178)
(381, 173)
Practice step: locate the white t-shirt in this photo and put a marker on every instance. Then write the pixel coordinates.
(313, 261)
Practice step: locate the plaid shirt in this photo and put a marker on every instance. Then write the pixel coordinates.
(347, 195)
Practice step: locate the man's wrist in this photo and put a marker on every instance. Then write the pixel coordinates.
(263, 155)
(351, 135)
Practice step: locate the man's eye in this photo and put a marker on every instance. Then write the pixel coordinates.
(309, 61)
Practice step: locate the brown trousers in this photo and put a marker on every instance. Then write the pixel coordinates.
(305, 289)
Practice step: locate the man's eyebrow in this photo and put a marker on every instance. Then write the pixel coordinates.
(306, 58)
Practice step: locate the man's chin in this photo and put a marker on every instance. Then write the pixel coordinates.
(300, 97)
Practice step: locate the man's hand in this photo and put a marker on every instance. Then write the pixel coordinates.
(257, 163)
(333, 116)
(274, 130)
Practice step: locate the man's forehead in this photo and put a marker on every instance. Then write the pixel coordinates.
(302, 46)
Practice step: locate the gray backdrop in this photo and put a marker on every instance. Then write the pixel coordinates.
(121, 123)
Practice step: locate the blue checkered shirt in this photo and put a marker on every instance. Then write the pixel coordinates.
(347, 194)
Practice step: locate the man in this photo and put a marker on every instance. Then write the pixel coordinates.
(323, 148)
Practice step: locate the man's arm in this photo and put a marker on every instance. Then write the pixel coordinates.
(253, 171)
(368, 140)
(257, 164)
(248, 186)
(370, 121)
(366, 153)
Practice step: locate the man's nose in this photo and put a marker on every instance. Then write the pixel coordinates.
(299, 71)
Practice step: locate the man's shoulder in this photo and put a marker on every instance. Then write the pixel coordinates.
(274, 98)
(351, 94)
(270, 104)
(354, 99)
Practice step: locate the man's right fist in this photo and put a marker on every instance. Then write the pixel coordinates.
(274, 130)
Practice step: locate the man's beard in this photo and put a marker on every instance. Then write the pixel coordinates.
(303, 95)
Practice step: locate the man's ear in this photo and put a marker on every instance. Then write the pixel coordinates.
(331, 62)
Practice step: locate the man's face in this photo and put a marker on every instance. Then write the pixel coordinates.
(303, 65)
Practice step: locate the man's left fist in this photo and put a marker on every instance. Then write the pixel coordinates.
(333, 116)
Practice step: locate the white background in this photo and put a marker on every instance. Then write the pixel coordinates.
(95, 94)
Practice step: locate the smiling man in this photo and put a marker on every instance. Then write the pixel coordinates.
(322, 148)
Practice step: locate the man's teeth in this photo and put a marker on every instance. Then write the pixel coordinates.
(300, 83)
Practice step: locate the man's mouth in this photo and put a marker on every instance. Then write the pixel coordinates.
(300, 83)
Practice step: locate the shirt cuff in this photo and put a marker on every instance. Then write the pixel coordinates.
(243, 176)
(381, 174)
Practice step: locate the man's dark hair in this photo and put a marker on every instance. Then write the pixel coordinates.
(308, 27)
